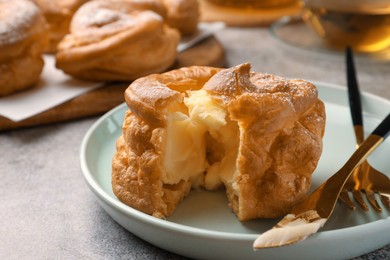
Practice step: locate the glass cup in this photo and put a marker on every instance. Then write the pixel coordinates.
(363, 25)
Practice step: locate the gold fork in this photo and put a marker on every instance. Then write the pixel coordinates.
(365, 178)
(310, 215)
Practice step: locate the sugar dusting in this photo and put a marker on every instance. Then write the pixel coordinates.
(97, 15)
(15, 18)
(103, 18)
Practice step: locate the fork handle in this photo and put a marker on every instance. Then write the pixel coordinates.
(355, 105)
(383, 129)
(353, 90)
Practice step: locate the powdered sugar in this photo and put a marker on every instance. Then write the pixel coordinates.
(101, 18)
(15, 18)
(95, 18)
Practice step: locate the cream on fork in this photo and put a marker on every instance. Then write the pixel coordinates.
(356, 175)
(310, 215)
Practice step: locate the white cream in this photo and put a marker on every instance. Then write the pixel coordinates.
(185, 149)
(204, 110)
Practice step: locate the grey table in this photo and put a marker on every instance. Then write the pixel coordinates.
(47, 210)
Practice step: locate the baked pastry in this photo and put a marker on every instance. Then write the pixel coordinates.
(114, 40)
(182, 15)
(23, 38)
(58, 14)
(257, 135)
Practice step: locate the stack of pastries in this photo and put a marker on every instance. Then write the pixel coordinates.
(23, 39)
(257, 135)
(107, 40)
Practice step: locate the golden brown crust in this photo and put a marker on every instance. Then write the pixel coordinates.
(117, 40)
(137, 170)
(23, 38)
(164, 89)
(280, 126)
(58, 14)
(281, 137)
(182, 15)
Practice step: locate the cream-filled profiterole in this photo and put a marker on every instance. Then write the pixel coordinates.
(257, 135)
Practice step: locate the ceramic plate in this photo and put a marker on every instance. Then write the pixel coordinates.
(204, 227)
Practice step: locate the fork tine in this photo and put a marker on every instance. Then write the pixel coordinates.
(344, 197)
(357, 195)
(370, 195)
(385, 200)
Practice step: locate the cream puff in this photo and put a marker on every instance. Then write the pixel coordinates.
(58, 14)
(256, 135)
(182, 15)
(116, 40)
(23, 39)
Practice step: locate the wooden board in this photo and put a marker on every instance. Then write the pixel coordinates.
(245, 17)
(207, 53)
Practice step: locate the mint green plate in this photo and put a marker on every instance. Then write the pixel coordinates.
(203, 227)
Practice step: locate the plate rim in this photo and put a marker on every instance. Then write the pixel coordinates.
(201, 232)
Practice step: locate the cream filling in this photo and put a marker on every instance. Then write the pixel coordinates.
(188, 152)
(184, 149)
